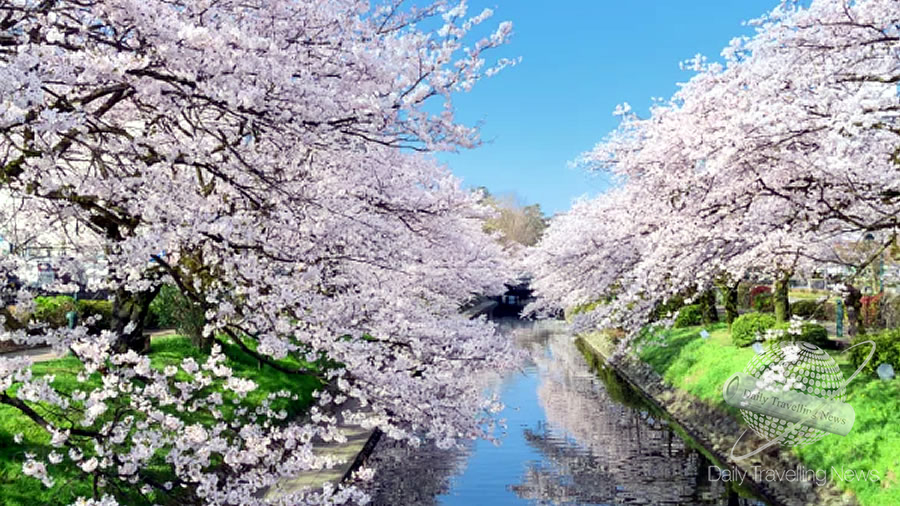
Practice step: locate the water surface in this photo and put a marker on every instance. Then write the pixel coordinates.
(574, 436)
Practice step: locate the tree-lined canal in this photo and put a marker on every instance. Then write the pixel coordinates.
(574, 436)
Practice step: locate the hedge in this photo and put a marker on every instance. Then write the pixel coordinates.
(689, 316)
(745, 328)
(52, 311)
(887, 350)
(672, 306)
(764, 302)
(93, 308)
(756, 292)
(809, 332)
(808, 308)
(171, 309)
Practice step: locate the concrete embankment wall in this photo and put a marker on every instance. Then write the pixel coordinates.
(716, 431)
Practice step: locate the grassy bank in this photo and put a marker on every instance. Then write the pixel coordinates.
(701, 366)
(18, 489)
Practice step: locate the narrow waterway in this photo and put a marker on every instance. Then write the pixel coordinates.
(574, 436)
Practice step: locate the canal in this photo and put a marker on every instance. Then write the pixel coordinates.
(574, 435)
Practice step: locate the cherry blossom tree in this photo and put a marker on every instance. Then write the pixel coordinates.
(261, 156)
(760, 164)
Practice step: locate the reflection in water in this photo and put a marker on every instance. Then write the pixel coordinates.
(601, 451)
(413, 475)
(571, 440)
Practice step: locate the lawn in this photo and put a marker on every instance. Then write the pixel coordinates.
(701, 366)
(17, 489)
(809, 294)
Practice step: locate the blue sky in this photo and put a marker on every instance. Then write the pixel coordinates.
(580, 58)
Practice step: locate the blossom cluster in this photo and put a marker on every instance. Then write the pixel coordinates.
(269, 159)
(769, 163)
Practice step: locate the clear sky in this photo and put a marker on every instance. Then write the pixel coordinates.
(580, 58)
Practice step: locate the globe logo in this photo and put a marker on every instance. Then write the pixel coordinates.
(806, 368)
(792, 394)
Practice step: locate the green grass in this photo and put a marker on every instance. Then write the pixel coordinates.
(809, 294)
(701, 366)
(172, 350)
(873, 443)
(17, 489)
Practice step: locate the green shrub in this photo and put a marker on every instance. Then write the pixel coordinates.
(816, 334)
(809, 332)
(102, 308)
(758, 290)
(808, 308)
(887, 350)
(708, 312)
(764, 303)
(689, 316)
(745, 327)
(171, 309)
(52, 310)
(161, 313)
(671, 306)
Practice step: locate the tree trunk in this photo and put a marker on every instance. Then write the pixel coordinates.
(10, 322)
(782, 303)
(192, 319)
(131, 308)
(853, 306)
(730, 298)
(708, 307)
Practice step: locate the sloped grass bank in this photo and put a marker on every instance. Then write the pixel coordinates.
(17, 489)
(701, 366)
